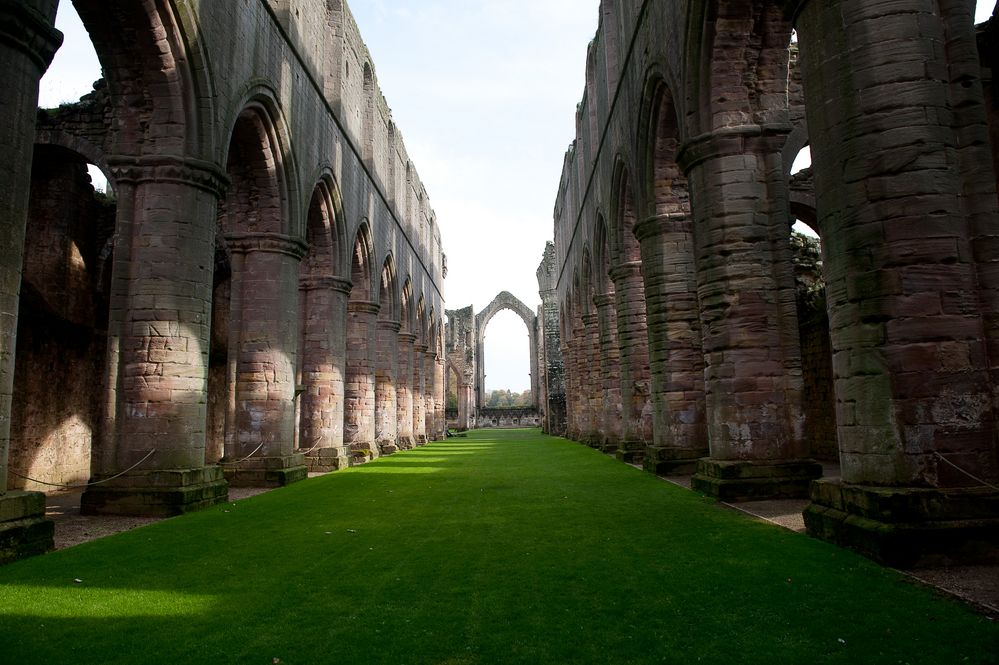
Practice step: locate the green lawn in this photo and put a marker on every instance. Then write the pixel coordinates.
(500, 547)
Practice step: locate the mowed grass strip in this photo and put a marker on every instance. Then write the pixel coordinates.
(502, 547)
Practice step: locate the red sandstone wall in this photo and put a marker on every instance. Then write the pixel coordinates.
(61, 327)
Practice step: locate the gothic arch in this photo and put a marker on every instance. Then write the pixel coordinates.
(157, 75)
(505, 300)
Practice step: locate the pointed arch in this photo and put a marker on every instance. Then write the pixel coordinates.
(158, 76)
(738, 64)
(664, 184)
(360, 264)
(388, 295)
(257, 199)
(406, 307)
(601, 258)
(624, 246)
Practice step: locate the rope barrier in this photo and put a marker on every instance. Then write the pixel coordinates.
(97, 482)
(244, 459)
(975, 478)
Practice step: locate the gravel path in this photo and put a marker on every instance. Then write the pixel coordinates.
(72, 528)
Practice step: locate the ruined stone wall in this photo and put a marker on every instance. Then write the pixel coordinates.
(259, 136)
(62, 325)
(673, 216)
(550, 363)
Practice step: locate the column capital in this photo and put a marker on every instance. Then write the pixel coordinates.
(363, 307)
(420, 348)
(169, 168)
(390, 325)
(660, 225)
(324, 282)
(273, 243)
(625, 270)
(26, 29)
(728, 141)
(407, 338)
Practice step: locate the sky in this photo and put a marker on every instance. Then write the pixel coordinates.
(484, 93)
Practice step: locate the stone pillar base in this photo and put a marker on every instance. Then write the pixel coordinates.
(267, 471)
(388, 447)
(592, 439)
(24, 529)
(609, 445)
(672, 461)
(906, 527)
(161, 493)
(745, 480)
(324, 460)
(406, 443)
(630, 452)
(421, 440)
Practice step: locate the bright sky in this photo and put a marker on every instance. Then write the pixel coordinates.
(485, 94)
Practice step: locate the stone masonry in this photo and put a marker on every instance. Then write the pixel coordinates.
(260, 295)
(672, 224)
(465, 353)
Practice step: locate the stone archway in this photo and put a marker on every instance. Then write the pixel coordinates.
(505, 300)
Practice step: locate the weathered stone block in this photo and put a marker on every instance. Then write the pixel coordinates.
(738, 480)
(24, 529)
(163, 494)
(907, 527)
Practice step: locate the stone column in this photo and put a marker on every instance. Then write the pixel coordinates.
(260, 433)
(633, 346)
(593, 382)
(429, 390)
(359, 392)
(568, 354)
(580, 415)
(610, 372)
(386, 405)
(323, 370)
(676, 361)
(749, 328)
(466, 402)
(555, 387)
(404, 390)
(150, 459)
(438, 398)
(908, 210)
(419, 395)
(27, 43)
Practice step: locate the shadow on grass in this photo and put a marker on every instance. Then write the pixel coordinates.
(524, 549)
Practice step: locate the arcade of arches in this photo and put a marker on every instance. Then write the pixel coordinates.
(689, 334)
(260, 296)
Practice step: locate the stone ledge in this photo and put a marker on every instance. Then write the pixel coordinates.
(17, 505)
(324, 460)
(24, 529)
(671, 461)
(746, 480)
(917, 528)
(268, 471)
(630, 451)
(26, 537)
(153, 501)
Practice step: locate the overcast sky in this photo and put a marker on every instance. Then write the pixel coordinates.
(485, 94)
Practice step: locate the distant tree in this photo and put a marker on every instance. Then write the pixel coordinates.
(505, 399)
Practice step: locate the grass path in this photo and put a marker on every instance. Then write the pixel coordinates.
(500, 547)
